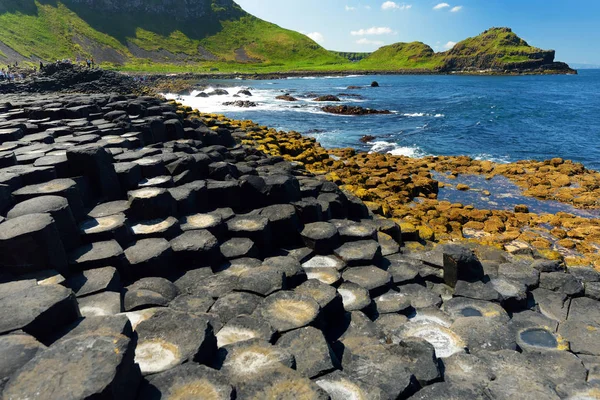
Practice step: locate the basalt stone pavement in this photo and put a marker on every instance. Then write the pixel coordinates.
(144, 255)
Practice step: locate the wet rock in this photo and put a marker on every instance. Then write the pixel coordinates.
(539, 339)
(191, 380)
(328, 97)
(241, 103)
(39, 311)
(82, 367)
(286, 97)
(353, 110)
(170, 338)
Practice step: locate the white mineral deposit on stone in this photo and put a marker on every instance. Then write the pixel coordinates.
(156, 356)
(348, 297)
(234, 334)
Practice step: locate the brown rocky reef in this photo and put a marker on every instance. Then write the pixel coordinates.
(352, 110)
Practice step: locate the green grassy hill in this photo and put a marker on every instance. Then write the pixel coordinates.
(415, 55)
(224, 37)
(209, 35)
(495, 48)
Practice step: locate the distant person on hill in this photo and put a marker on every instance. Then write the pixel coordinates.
(92, 61)
(41, 66)
(88, 62)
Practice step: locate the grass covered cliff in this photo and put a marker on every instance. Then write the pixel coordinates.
(218, 35)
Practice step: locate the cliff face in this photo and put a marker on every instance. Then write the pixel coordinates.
(179, 9)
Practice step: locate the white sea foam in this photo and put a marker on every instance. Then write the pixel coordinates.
(416, 115)
(396, 150)
(489, 157)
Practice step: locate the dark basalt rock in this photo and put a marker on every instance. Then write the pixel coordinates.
(187, 380)
(241, 103)
(39, 311)
(31, 243)
(367, 138)
(328, 97)
(85, 366)
(352, 110)
(286, 97)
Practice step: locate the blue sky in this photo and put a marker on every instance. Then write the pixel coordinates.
(571, 27)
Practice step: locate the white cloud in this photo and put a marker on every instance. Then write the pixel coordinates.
(376, 30)
(369, 42)
(441, 5)
(449, 45)
(316, 36)
(456, 9)
(367, 7)
(350, 8)
(391, 5)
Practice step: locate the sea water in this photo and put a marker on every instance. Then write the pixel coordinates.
(498, 118)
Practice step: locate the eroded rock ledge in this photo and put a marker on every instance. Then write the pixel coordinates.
(145, 254)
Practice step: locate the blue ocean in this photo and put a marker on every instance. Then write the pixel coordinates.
(498, 118)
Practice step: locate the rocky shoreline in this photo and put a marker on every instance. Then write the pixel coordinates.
(150, 251)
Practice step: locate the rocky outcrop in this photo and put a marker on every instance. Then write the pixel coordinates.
(180, 250)
(352, 110)
(66, 77)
